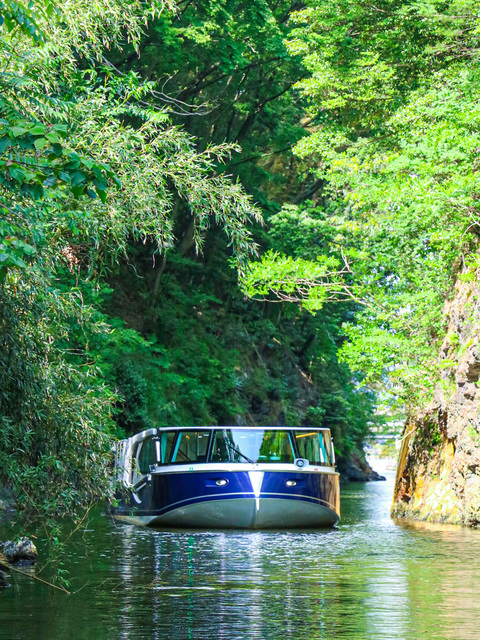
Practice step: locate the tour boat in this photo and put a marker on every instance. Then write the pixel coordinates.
(228, 478)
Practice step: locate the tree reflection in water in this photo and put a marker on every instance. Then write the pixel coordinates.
(369, 579)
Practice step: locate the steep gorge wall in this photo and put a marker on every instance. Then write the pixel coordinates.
(438, 475)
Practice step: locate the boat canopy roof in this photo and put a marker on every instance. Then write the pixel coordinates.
(155, 431)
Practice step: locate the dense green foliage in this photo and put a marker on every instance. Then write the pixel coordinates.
(135, 139)
(226, 75)
(394, 92)
(78, 185)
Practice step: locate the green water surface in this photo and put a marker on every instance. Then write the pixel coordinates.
(367, 579)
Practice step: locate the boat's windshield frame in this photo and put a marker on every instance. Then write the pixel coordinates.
(295, 437)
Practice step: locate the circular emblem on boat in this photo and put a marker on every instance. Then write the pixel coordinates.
(301, 462)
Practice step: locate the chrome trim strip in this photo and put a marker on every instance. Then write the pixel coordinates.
(219, 467)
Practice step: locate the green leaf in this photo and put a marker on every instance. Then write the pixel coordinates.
(52, 137)
(17, 173)
(57, 149)
(77, 177)
(37, 130)
(18, 131)
(101, 194)
(40, 143)
(62, 128)
(101, 184)
(78, 191)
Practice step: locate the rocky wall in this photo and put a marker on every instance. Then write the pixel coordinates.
(438, 475)
(356, 469)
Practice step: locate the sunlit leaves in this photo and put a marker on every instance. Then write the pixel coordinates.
(17, 16)
(311, 283)
(394, 91)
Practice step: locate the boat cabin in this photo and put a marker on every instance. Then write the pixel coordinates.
(151, 450)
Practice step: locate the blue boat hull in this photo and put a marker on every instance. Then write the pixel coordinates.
(234, 499)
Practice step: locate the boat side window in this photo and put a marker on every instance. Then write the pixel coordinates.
(191, 446)
(165, 443)
(120, 462)
(328, 444)
(314, 446)
(147, 455)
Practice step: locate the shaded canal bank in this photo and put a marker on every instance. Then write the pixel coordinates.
(367, 579)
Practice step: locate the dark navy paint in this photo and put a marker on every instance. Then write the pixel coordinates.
(166, 491)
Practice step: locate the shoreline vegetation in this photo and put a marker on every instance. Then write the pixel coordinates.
(227, 213)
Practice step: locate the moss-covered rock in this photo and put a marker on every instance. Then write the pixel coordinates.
(438, 475)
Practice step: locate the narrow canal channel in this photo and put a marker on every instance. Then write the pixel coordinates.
(367, 579)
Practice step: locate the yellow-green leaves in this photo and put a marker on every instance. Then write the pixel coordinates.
(394, 95)
(288, 279)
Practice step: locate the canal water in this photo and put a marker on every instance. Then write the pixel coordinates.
(368, 579)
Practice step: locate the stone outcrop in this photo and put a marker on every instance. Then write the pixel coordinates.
(438, 475)
(19, 552)
(357, 469)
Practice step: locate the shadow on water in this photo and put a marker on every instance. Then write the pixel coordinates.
(367, 579)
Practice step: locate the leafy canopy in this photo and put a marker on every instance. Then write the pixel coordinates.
(87, 165)
(393, 89)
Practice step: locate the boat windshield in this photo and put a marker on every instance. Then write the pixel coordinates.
(234, 444)
(252, 445)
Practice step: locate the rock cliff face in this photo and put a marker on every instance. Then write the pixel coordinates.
(438, 476)
(356, 469)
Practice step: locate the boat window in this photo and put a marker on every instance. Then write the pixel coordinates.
(252, 445)
(191, 446)
(147, 455)
(315, 446)
(165, 443)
